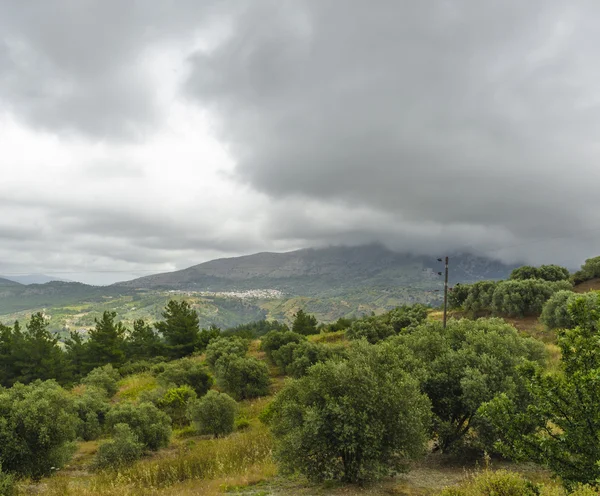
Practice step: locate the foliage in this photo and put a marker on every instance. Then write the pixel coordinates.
(467, 364)
(352, 420)
(373, 329)
(458, 295)
(340, 324)
(123, 450)
(186, 372)
(274, 340)
(7, 483)
(151, 426)
(106, 343)
(295, 358)
(560, 427)
(175, 401)
(589, 270)
(180, 328)
(91, 406)
(104, 378)
(304, 323)
(490, 483)
(406, 316)
(225, 346)
(480, 296)
(213, 414)
(143, 342)
(32, 354)
(545, 272)
(519, 298)
(38, 422)
(256, 329)
(242, 377)
(556, 314)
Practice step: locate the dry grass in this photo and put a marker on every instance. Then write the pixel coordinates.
(132, 386)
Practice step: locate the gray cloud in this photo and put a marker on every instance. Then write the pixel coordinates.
(79, 67)
(454, 113)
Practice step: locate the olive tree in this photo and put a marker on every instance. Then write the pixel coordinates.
(350, 420)
(151, 426)
(213, 414)
(38, 424)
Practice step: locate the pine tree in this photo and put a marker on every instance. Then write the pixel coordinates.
(304, 323)
(37, 354)
(143, 342)
(107, 342)
(180, 328)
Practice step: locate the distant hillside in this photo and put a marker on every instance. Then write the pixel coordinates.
(35, 279)
(322, 272)
(7, 283)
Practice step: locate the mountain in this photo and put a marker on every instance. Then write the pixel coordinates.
(7, 283)
(35, 279)
(331, 271)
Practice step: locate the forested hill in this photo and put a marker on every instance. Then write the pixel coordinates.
(324, 271)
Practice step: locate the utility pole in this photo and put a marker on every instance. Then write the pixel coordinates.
(445, 291)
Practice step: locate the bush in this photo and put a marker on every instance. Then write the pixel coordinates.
(589, 270)
(304, 323)
(489, 483)
(213, 414)
(140, 366)
(407, 316)
(458, 295)
(527, 297)
(151, 426)
(91, 407)
(243, 378)
(555, 313)
(480, 296)
(295, 358)
(186, 372)
(274, 340)
(465, 365)
(350, 420)
(545, 272)
(7, 484)
(175, 402)
(225, 346)
(373, 329)
(104, 378)
(123, 450)
(38, 424)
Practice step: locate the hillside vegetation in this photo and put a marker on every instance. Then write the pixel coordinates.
(393, 402)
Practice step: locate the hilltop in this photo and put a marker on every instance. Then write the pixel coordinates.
(323, 271)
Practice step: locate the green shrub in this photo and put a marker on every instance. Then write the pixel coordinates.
(480, 296)
(274, 340)
(140, 366)
(464, 366)
(458, 295)
(295, 358)
(545, 272)
(373, 329)
(225, 346)
(151, 426)
(7, 483)
(105, 378)
(555, 313)
(186, 372)
(500, 483)
(243, 378)
(213, 414)
(304, 323)
(350, 420)
(91, 406)
(589, 270)
(175, 402)
(517, 298)
(241, 424)
(407, 316)
(38, 424)
(123, 450)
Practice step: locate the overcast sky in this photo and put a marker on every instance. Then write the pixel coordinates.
(145, 136)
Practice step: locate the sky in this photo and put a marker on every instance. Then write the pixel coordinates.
(146, 136)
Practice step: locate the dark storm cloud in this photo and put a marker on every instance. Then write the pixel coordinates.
(476, 114)
(78, 66)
